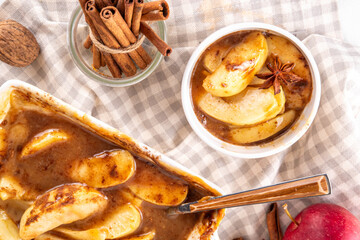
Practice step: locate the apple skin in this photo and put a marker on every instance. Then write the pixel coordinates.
(324, 221)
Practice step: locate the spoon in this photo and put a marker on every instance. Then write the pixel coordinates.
(317, 185)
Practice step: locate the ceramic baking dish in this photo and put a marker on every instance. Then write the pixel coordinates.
(30, 97)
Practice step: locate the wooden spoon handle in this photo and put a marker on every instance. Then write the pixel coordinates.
(299, 188)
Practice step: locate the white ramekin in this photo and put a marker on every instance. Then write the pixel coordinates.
(273, 147)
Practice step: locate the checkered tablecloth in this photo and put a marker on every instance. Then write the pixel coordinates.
(151, 111)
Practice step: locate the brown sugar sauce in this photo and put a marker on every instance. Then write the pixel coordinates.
(49, 168)
(296, 97)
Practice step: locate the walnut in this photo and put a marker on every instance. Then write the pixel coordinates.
(18, 46)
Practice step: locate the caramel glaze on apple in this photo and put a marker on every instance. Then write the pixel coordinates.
(49, 168)
(296, 99)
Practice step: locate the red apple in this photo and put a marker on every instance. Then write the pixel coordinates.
(324, 222)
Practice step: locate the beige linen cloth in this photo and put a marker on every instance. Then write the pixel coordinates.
(151, 111)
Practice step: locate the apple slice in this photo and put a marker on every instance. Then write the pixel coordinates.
(3, 141)
(44, 140)
(251, 106)
(61, 205)
(263, 130)
(153, 186)
(122, 221)
(11, 188)
(145, 236)
(128, 196)
(239, 67)
(15, 208)
(104, 170)
(49, 236)
(214, 56)
(91, 234)
(8, 229)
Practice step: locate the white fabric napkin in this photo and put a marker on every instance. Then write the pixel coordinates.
(151, 111)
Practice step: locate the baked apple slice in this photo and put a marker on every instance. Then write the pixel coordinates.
(153, 186)
(263, 130)
(3, 141)
(238, 67)
(91, 234)
(214, 56)
(251, 106)
(11, 188)
(129, 197)
(19, 132)
(8, 229)
(15, 208)
(104, 170)
(61, 205)
(44, 140)
(49, 236)
(122, 221)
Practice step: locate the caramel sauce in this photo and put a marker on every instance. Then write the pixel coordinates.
(297, 96)
(49, 168)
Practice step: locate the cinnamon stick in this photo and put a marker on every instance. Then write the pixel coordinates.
(102, 60)
(131, 37)
(153, 6)
(129, 9)
(96, 57)
(112, 65)
(108, 16)
(100, 4)
(154, 16)
(123, 60)
(155, 11)
(273, 223)
(114, 68)
(135, 25)
(110, 2)
(87, 42)
(88, 20)
(121, 6)
(162, 46)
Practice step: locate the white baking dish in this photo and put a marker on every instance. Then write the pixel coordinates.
(31, 97)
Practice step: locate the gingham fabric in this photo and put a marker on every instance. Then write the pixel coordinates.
(151, 111)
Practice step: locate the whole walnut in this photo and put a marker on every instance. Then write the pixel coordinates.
(18, 46)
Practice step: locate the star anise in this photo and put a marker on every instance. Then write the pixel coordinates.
(280, 73)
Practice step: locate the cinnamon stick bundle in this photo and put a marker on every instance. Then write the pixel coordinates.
(108, 16)
(129, 10)
(162, 46)
(273, 223)
(155, 11)
(135, 25)
(129, 35)
(123, 60)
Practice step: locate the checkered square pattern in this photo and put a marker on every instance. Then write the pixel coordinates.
(151, 111)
